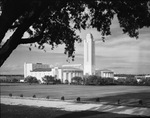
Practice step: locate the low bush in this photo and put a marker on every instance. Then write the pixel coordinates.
(140, 102)
(34, 96)
(62, 98)
(21, 95)
(47, 97)
(10, 94)
(118, 101)
(78, 99)
(97, 99)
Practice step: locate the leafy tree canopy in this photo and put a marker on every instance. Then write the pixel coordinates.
(31, 79)
(77, 80)
(48, 79)
(55, 21)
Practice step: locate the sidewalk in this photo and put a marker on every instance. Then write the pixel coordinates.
(69, 105)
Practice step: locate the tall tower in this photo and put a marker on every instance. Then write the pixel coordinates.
(89, 55)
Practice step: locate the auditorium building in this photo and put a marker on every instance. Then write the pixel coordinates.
(64, 72)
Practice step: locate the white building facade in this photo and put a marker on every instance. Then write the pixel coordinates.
(89, 55)
(105, 73)
(64, 73)
(69, 72)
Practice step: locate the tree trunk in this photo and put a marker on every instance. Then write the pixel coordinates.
(7, 49)
(12, 9)
(15, 39)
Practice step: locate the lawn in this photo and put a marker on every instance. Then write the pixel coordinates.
(128, 95)
(69, 91)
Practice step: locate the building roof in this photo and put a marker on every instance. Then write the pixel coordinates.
(104, 70)
(41, 70)
(70, 69)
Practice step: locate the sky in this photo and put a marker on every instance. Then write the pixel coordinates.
(119, 53)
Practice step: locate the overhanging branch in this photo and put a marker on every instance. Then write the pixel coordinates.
(14, 26)
(31, 40)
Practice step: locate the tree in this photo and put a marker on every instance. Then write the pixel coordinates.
(15, 80)
(77, 80)
(54, 22)
(145, 81)
(92, 80)
(131, 81)
(31, 79)
(48, 79)
(58, 81)
(66, 81)
(120, 81)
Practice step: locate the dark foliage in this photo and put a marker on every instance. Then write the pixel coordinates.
(47, 97)
(62, 98)
(55, 22)
(15, 80)
(66, 81)
(97, 99)
(10, 94)
(78, 99)
(34, 96)
(21, 95)
(97, 80)
(140, 102)
(76, 80)
(51, 80)
(118, 101)
(31, 79)
(48, 79)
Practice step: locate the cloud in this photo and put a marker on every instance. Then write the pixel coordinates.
(10, 68)
(119, 53)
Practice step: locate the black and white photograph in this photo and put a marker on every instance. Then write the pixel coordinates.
(75, 58)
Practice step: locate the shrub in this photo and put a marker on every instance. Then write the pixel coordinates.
(97, 99)
(21, 95)
(78, 99)
(31, 79)
(58, 81)
(10, 94)
(77, 80)
(34, 96)
(48, 79)
(62, 98)
(66, 82)
(118, 101)
(47, 97)
(15, 80)
(140, 102)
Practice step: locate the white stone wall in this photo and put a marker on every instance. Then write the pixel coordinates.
(40, 75)
(27, 69)
(56, 71)
(106, 74)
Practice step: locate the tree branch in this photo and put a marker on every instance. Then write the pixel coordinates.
(12, 43)
(14, 26)
(31, 40)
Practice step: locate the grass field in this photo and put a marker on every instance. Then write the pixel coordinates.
(69, 91)
(129, 95)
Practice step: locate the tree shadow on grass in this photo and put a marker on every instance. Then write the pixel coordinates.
(126, 99)
(16, 111)
(96, 114)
